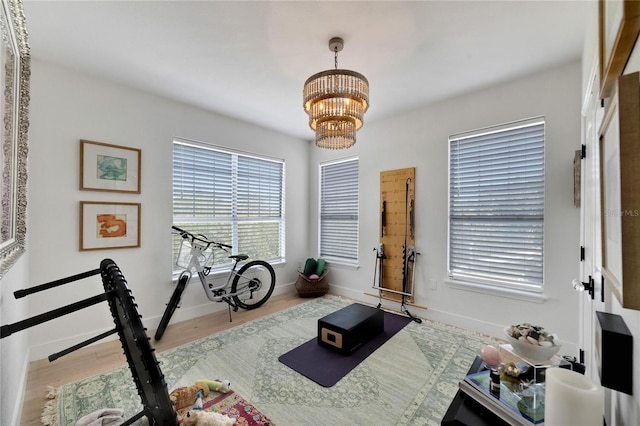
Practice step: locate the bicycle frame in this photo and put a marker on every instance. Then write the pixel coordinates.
(214, 293)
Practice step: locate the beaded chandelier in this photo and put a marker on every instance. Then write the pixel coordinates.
(336, 101)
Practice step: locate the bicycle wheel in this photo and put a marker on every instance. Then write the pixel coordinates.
(254, 284)
(171, 306)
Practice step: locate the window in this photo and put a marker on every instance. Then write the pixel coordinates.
(231, 197)
(496, 206)
(339, 210)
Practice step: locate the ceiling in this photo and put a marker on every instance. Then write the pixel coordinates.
(250, 59)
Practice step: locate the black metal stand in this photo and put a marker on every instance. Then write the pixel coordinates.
(140, 355)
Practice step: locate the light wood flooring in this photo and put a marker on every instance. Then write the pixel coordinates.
(106, 356)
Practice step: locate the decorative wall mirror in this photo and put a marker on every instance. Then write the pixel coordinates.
(14, 107)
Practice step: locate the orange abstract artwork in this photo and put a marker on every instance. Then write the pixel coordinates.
(111, 225)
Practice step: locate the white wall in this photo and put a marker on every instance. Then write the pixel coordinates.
(67, 106)
(419, 139)
(14, 350)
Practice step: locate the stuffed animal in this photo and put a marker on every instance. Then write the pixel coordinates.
(216, 385)
(207, 418)
(185, 396)
(198, 404)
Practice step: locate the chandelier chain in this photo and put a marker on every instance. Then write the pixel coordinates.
(335, 57)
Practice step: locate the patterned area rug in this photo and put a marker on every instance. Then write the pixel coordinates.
(410, 380)
(232, 405)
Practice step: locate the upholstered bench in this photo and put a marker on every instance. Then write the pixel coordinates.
(348, 328)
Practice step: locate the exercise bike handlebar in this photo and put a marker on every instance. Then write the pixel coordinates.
(201, 238)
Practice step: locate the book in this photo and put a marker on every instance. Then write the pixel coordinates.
(519, 407)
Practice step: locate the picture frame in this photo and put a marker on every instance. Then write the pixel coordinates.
(107, 167)
(15, 72)
(618, 28)
(620, 191)
(109, 225)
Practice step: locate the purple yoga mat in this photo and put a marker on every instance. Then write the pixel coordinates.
(327, 367)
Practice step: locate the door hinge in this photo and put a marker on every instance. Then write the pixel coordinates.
(583, 153)
(581, 356)
(581, 253)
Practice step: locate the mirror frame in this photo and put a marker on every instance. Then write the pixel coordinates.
(16, 72)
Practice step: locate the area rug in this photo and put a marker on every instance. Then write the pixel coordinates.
(410, 380)
(233, 405)
(326, 367)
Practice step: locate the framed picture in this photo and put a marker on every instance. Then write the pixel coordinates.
(620, 191)
(106, 167)
(15, 71)
(106, 225)
(619, 25)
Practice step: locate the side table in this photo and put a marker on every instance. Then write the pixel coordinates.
(465, 411)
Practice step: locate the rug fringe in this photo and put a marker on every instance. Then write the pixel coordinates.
(49, 416)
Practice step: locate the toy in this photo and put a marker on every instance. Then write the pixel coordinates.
(216, 385)
(207, 418)
(198, 404)
(186, 395)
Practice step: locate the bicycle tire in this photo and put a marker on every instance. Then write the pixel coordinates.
(171, 307)
(262, 279)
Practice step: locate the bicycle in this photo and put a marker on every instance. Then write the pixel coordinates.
(248, 287)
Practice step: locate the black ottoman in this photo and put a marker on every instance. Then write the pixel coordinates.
(345, 330)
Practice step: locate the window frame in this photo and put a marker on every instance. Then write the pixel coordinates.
(233, 218)
(525, 289)
(334, 259)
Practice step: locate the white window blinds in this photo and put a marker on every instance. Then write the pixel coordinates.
(496, 206)
(231, 197)
(339, 210)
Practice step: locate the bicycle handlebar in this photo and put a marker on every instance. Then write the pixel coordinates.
(203, 239)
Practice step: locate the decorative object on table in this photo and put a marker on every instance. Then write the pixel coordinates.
(109, 225)
(614, 352)
(107, 167)
(16, 66)
(491, 356)
(620, 191)
(336, 101)
(532, 341)
(572, 399)
(311, 280)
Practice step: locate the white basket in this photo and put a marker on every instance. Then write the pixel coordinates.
(184, 255)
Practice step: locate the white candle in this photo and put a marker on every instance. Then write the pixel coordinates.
(572, 399)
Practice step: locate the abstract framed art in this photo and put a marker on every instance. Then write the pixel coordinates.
(106, 167)
(108, 225)
(620, 191)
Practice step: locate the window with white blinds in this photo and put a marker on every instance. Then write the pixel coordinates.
(231, 197)
(496, 206)
(339, 210)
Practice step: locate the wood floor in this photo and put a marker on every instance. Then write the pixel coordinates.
(106, 356)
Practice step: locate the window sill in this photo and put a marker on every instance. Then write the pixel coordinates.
(500, 292)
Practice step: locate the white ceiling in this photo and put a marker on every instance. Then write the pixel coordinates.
(250, 59)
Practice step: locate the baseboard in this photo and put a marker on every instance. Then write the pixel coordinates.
(22, 389)
(468, 323)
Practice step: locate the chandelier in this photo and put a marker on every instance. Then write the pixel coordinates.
(336, 101)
